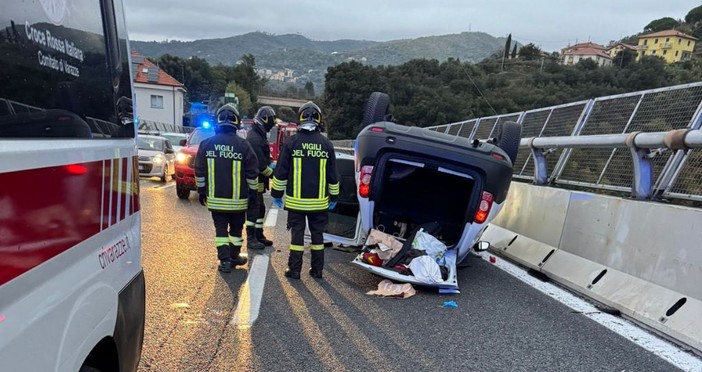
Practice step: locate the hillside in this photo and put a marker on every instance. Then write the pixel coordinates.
(301, 54)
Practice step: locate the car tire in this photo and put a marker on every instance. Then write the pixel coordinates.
(164, 178)
(509, 138)
(183, 193)
(377, 108)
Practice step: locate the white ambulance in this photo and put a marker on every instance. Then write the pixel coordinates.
(71, 280)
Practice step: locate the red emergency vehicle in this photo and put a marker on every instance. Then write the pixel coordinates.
(278, 135)
(185, 161)
(71, 282)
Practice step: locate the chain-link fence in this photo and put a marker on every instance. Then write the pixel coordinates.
(676, 174)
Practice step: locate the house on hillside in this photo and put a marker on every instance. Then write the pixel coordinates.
(573, 54)
(614, 49)
(671, 45)
(159, 96)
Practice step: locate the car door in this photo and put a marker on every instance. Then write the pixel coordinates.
(344, 225)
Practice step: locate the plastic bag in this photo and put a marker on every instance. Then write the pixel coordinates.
(426, 270)
(431, 245)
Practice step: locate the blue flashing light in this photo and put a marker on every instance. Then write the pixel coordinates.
(206, 124)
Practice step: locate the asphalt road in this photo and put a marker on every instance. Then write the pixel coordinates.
(500, 323)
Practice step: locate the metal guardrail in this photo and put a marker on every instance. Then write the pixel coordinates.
(673, 171)
(676, 172)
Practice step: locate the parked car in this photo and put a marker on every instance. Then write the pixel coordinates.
(401, 178)
(185, 161)
(175, 139)
(156, 157)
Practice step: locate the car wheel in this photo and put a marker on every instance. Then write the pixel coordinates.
(377, 108)
(509, 138)
(164, 178)
(183, 193)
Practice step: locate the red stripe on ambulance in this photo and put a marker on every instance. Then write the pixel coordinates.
(46, 211)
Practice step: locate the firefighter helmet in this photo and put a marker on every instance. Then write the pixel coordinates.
(265, 116)
(228, 115)
(310, 116)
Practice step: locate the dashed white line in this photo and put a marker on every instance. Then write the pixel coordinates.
(251, 293)
(621, 326)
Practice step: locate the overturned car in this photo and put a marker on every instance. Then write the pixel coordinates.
(409, 181)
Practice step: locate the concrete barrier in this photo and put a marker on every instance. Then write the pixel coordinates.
(641, 258)
(530, 225)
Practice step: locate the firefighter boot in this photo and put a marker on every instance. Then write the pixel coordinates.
(261, 238)
(317, 263)
(237, 259)
(251, 241)
(294, 265)
(225, 265)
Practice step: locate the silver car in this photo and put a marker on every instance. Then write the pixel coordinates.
(156, 157)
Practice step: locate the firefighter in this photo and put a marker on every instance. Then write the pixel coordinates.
(306, 174)
(263, 123)
(226, 172)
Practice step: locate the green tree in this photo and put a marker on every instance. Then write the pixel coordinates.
(514, 51)
(661, 24)
(624, 58)
(245, 105)
(286, 114)
(694, 16)
(530, 52)
(309, 89)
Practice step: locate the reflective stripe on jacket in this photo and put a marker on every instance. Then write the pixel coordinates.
(306, 173)
(226, 169)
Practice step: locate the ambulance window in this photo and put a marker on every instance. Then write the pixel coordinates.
(57, 80)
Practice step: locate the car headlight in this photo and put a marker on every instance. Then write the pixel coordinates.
(158, 159)
(182, 158)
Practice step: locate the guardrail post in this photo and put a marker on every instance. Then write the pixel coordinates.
(584, 116)
(475, 129)
(540, 164)
(642, 187)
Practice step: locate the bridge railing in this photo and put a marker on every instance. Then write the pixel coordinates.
(667, 165)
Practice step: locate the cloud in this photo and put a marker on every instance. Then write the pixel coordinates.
(552, 24)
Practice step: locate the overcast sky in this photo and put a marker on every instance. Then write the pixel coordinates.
(551, 24)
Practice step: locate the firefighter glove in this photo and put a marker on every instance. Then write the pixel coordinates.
(332, 205)
(272, 165)
(278, 202)
(203, 198)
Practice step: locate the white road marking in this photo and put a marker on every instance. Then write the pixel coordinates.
(271, 218)
(619, 325)
(251, 292)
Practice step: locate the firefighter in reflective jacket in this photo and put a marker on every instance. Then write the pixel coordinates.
(226, 171)
(306, 173)
(263, 122)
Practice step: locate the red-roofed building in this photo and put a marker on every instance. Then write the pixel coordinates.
(576, 53)
(614, 49)
(159, 96)
(671, 45)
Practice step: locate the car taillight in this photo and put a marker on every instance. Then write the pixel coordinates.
(376, 129)
(365, 180)
(484, 208)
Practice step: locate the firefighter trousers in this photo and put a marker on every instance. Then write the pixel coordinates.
(228, 226)
(317, 222)
(256, 211)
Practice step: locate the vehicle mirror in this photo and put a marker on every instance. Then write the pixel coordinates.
(482, 246)
(183, 141)
(170, 151)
